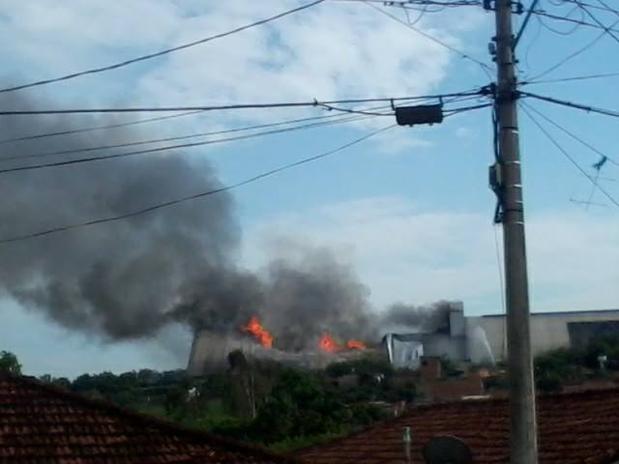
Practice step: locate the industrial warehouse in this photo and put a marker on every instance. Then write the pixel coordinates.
(460, 338)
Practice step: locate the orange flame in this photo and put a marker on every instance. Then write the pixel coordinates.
(261, 334)
(355, 345)
(328, 344)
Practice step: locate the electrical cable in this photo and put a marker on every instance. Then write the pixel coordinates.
(604, 6)
(169, 203)
(54, 164)
(348, 110)
(322, 122)
(596, 7)
(240, 106)
(172, 138)
(578, 106)
(570, 79)
(95, 128)
(422, 3)
(161, 52)
(569, 157)
(486, 68)
(572, 55)
(524, 24)
(573, 136)
(602, 25)
(576, 22)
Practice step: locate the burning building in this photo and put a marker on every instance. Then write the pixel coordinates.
(441, 333)
(210, 349)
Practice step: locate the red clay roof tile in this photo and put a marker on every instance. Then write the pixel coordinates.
(43, 424)
(577, 428)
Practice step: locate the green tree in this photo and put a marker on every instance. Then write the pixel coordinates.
(557, 367)
(9, 363)
(299, 406)
(608, 346)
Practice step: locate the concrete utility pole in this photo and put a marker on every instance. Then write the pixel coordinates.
(523, 434)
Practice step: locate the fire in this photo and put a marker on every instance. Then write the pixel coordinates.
(328, 344)
(355, 345)
(261, 334)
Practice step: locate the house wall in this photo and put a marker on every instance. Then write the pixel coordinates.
(548, 330)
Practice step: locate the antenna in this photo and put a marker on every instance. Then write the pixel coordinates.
(597, 168)
(447, 450)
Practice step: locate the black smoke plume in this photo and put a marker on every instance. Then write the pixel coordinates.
(428, 318)
(121, 279)
(126, 279)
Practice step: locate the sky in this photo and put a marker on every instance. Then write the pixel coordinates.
(409, 209)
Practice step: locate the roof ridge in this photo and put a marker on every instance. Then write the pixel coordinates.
(145, 419)
(408, 412)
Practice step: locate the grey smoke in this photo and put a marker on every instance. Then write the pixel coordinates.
(428, 318)
(121, 279)
(312, 295)
(128, 279)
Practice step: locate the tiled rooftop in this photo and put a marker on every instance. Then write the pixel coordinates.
(43, 424)
(578, 428)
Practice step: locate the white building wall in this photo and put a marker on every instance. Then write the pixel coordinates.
(548, 330)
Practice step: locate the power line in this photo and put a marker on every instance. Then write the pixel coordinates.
(195, 196)
(94, 128)
(524, 23)
(572, 78)
(322, 122)
(240, 106)
(348, 110)
(604, 5)
(597, 21)
(567, 155)
(596, 7)
(573, 55)
(577, 22)
(572, 135)
(465, 109)
(172, 138)
(70, 162)
(161, 52)
(578, 106)
(401, 3)
(442, 43)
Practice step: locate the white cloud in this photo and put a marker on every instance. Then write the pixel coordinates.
(334, 50)
(330, 51)
(405, 253)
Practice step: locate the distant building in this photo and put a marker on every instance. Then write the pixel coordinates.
(404, 351)
(482, 339)
(550, 330)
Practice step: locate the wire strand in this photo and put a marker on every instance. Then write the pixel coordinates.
(239, 106)
(56, 164)
(573, 55)
(167, 204)
(572, 135)
(162, 52)
(569, 157)
(486, 68)
(173, 138)
(578, 106)
(95, 128)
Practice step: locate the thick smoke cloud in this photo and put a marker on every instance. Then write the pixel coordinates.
(121, 279)
(314, 294)
(430, 318)
(129, 278)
